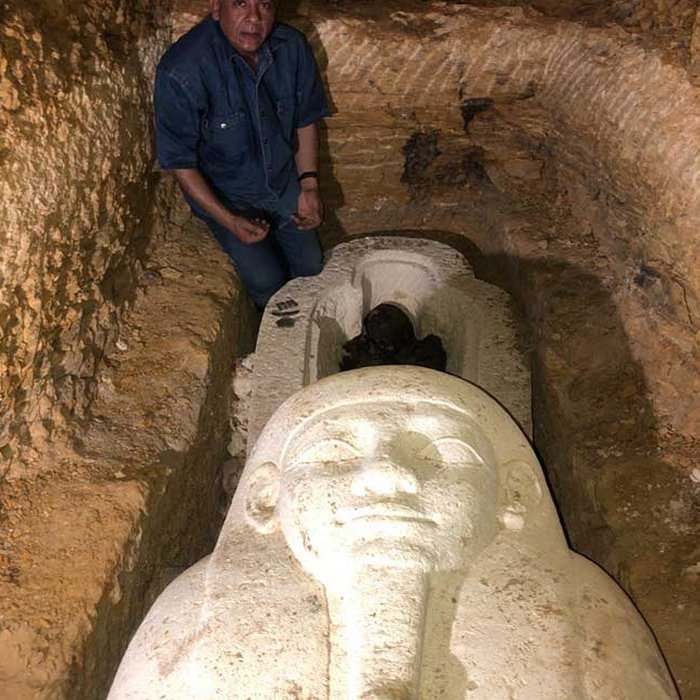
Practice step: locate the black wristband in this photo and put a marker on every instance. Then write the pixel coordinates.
(308, 173)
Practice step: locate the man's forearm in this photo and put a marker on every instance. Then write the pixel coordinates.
(196, 187)
(310, 207)
(307, 152)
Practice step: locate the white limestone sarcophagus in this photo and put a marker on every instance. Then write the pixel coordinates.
(393, 537)
(307, 322)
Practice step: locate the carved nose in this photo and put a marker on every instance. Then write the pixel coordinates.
(384, 477)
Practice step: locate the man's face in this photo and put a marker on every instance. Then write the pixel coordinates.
(388, 485)
(245, 23)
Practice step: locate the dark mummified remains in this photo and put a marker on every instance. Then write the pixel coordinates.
(388, 338)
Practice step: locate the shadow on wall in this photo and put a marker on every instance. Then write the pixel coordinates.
(589, 393)
(330, 186)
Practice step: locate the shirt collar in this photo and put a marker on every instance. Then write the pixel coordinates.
(276, 38)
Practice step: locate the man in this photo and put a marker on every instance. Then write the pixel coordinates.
(237, 101)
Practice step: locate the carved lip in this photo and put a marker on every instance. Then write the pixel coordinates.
(383, 511)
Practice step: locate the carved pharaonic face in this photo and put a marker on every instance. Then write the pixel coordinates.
(388, 484)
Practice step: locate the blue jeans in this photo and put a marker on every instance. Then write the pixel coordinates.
(265, 266)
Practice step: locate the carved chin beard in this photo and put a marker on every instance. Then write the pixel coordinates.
(397, 554)
(381, 552)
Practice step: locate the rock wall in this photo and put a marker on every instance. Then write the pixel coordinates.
(566, 151)
(670, 21)
(90, 541)
(119, 321)
(76, 202)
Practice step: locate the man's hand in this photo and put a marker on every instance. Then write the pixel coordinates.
(246, 230)
(310, 207)
(249, 230)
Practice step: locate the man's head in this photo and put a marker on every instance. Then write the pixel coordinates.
(245, 23)
(390, 466)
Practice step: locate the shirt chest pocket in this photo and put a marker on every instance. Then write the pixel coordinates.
(227, 133)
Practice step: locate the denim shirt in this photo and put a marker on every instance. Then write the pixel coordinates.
(236, 126)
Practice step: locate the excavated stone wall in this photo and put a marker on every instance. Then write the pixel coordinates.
(561, 156)
(76, 202)
(88, 543)
(667, 24)
(119, 323)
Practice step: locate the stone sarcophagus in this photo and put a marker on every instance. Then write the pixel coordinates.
(392, 537)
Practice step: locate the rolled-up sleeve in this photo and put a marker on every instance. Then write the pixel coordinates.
(177, 123)
(312, 103)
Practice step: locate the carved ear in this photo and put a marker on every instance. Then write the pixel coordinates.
(215, 8)
(261, 498)
(521, 493)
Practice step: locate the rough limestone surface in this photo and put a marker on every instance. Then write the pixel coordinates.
(307, 322)
(666, 24)
(393, 537)
(76, 199)
(241, 398)
(89, 543)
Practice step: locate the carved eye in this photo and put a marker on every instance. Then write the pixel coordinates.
(451, 451)
(327, 451)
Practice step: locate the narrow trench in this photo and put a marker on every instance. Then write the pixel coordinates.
(535, 183)
(593, 422)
